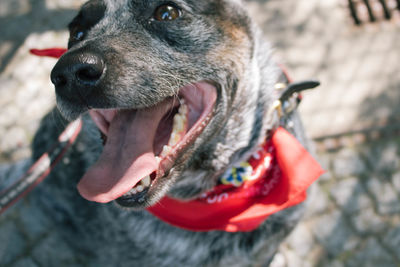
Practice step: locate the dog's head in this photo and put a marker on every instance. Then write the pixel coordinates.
(174, 86)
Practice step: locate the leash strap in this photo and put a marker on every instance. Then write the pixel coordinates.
(42, 167)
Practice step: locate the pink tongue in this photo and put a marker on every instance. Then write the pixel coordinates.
(127, 156)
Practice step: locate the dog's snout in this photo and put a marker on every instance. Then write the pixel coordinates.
(78, 71)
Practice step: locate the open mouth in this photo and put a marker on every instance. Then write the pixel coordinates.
(142, 145)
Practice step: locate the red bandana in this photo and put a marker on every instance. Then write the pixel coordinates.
(281, 172)
(283, 169)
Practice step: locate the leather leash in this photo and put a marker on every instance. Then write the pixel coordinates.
(41, 168)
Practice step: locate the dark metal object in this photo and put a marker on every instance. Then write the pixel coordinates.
(353, 12)
(376, 10)
(297, 87)
(386, 10)
(370, 13)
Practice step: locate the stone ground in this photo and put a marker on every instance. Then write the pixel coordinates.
(354, 118)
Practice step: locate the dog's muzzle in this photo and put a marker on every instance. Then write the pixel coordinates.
(141, 145)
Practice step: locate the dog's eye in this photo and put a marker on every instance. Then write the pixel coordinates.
(77, 34)
(167, 12)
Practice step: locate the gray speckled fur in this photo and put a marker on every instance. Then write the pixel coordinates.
(233, 55)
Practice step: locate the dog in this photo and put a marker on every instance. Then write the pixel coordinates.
(135, 71)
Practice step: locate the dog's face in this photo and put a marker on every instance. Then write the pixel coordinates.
(161, 80)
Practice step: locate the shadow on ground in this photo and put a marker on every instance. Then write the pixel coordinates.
(363, 180)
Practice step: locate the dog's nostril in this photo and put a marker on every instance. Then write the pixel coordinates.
(89, 74)
(59, 80)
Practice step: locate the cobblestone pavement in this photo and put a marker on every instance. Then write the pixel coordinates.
(354, 210)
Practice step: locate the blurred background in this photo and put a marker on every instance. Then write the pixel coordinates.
(353, 117)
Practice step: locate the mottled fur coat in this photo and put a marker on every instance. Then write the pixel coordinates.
(134, 55)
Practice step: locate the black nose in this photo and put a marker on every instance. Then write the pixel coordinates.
(78, 71)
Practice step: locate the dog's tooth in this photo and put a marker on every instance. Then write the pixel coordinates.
(178, 128)
(183, 112)
(146, 181)
(139, 188)
(166, 150)
(133, 190)
(181, 124)
(173, 140)
(183, 109)
(178, 123)
(158, 159)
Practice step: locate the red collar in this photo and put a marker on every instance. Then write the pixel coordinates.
(282, 172)
(278, 176)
